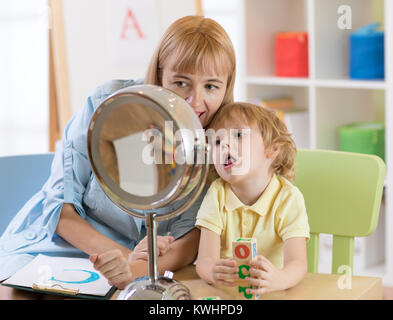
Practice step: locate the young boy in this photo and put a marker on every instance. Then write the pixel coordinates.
(254, 156)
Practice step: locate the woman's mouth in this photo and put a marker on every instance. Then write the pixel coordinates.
(199, 114)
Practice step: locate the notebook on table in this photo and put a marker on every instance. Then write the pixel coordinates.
(66, 276)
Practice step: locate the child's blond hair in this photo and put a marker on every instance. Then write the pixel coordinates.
(273, 131)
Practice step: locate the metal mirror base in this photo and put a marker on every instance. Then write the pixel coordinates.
(164, 289)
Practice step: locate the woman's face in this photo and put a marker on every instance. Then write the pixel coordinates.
(203, 92)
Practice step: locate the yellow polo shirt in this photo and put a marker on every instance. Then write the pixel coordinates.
(278, 214)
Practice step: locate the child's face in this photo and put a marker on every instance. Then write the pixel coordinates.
(239, 152)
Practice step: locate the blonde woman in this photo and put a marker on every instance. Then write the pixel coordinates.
(72, 216)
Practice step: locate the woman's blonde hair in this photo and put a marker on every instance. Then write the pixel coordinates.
(274, 133)
(198, 45)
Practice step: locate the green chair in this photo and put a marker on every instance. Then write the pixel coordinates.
(343, 193)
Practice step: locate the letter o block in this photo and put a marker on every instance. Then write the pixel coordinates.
(244, 250)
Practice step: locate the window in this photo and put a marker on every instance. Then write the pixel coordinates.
(24, 77)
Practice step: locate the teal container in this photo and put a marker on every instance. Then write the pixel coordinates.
(363, 137)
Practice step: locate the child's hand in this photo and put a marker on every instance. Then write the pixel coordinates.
(225, 272)
(114, 266)
(264, 276)
(141, 252)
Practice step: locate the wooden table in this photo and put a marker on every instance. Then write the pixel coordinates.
(315, 286)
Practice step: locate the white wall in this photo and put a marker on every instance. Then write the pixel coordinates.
(90, 33)
(228, 13)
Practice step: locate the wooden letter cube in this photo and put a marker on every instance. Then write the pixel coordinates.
(244, 250)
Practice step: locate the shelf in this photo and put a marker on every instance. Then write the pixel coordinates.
(338, 106)
(350, 84)
(263, 19)
(331, 98)
(323, 83)
(296, 82)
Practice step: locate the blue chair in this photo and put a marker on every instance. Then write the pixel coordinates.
(20, 178)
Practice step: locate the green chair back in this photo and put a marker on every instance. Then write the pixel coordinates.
(343, 193)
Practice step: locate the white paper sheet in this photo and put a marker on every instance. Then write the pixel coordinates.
(71, 273)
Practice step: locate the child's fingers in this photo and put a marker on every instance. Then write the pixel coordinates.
(170, 238)
(255, 282)
(257, 290)
(260, 262)
(163, 243)
(227, 262)
(258, 273)
(225, 276)
(225, 269)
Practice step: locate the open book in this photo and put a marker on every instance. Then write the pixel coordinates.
(62, 275)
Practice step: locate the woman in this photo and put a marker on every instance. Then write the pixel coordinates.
(72, 216)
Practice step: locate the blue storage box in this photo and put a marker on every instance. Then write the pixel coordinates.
(367, 59)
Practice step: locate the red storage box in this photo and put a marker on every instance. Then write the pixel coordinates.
(291, 49)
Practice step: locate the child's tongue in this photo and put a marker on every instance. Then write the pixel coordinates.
(229, 161)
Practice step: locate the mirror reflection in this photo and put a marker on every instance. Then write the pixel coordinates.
(137, 148)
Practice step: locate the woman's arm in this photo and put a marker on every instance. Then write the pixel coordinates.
(175, 255)
(78, 232)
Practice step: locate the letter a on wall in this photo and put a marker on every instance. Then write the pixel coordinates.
(133, 31)
(130, 22)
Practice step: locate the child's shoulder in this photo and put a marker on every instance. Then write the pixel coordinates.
(217, 190)
(218, 184)
(288, 188)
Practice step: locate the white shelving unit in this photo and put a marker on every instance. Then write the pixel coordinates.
(331, 98)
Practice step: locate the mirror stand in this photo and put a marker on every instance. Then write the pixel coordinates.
(155, 287)
(151, 229)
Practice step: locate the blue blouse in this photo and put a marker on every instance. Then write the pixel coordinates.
(33, 229)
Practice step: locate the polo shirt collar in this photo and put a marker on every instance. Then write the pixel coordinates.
(262, 205)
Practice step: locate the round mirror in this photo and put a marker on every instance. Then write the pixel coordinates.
(147, 150)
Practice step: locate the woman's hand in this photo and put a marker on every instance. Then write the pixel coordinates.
(225, 272)
(141, 252)
(264, 277)
(114, 266)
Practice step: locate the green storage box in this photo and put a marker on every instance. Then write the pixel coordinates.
(363, 137)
